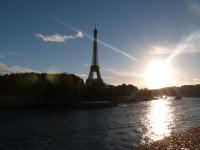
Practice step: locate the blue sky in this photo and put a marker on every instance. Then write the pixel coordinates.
(34, 36)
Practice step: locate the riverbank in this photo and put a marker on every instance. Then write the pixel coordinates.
(68, 102)
(185, 140)
(61, 102)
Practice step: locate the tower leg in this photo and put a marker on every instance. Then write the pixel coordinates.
(98, 75)
(90, 75)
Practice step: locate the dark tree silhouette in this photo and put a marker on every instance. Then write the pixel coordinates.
(57, 86)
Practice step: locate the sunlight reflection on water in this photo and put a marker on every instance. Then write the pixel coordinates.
(159, 120)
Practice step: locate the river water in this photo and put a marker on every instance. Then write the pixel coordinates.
(122, 127)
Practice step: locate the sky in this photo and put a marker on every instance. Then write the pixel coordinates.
(55, 36)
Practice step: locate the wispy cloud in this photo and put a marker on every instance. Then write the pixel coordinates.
(189, 44)
(86, 64)
(196, 80)
(2, 56)
(6, 69)
(194, 6)
(82, 75)
(123, 73)
(11, 53)
(58, 37)
(159, 50)
(53, 69)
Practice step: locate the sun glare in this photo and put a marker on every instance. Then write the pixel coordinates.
(160, 119)
(158, 74)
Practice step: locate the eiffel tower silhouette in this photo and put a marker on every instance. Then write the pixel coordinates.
(92, 81)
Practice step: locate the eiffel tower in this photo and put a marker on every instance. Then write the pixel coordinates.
(94, 80)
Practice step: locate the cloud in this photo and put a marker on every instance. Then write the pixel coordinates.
(123, 73)
(53, 69)
(6, 69)
(196, 79)
(86, 64)
(11, 53)
(82, 75)
(2, 56)
(159, 50)
(58, 38)
(189, 44)
(193, 6)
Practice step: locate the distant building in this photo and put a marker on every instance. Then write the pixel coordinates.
(94, 77)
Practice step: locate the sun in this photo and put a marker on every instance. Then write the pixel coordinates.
(158, 74)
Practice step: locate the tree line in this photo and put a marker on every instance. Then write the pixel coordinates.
(50, 86)
(63, 85)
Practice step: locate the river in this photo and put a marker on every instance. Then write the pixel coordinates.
(122, 127)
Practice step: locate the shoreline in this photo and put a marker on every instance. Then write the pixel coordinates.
(187, 139)
(66, 102)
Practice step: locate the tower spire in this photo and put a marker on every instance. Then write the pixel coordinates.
(94, 66)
